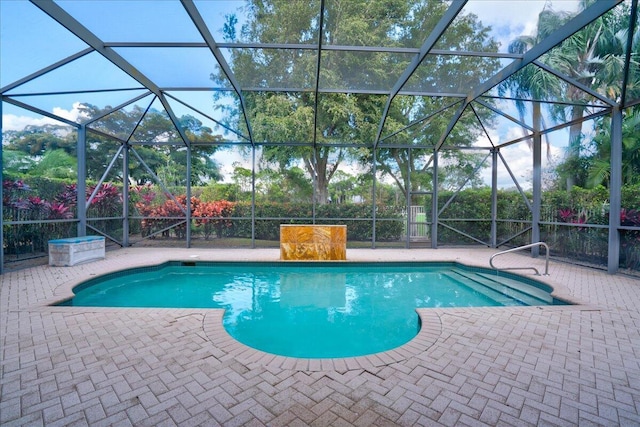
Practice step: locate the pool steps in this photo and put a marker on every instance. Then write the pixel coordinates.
(501, 289)
(540, 294)
(474, 285)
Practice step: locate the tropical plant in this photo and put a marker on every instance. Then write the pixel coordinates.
(107, 200)
(599, 163)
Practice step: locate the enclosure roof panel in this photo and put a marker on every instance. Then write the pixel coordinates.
(308, 50)
(133, 20)
(25, 52)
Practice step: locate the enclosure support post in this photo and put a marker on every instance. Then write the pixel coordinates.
(494, 197)
(125, 195)
(537, 179)
(615, 184)
(81, 185)
(253, 197)
(188, 201)
(1, 199)
(314, 178)
(407, 191)
(434, 203)
(537, 191)
(373, 202)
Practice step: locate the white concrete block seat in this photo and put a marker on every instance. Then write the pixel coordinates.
(75, 250)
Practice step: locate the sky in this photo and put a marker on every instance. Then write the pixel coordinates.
(23, 52)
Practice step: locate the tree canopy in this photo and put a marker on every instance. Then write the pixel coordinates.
(347, 122)
(50, 150)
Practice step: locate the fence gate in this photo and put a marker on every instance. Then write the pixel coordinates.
(418, 225)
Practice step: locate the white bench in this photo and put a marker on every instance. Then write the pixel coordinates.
(75, 250)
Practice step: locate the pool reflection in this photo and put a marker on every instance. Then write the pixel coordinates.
(320, 290)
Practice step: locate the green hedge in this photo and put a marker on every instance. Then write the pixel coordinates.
(357, 217)
(469, 211)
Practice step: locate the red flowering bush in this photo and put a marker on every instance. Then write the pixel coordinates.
(210, 216)
(213, 215)
(629, 217)
(571, 217)
(21, 204)
(68, 197)
(60, 211)
(142, 196)
(161, 218)
(23, 207)
(630, 239)
(106, 202)
(565, 214)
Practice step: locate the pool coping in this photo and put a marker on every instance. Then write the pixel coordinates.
(429, 333)
(228, 348)
(65, 292)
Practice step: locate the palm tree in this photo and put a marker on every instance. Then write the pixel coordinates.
(532, 82)
(591, 57)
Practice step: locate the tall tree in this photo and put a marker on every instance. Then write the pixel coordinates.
(415, 165)
(37, 140)
(349, 119)
(154, 136)
(157, 141)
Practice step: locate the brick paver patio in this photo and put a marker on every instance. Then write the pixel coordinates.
(557, 365)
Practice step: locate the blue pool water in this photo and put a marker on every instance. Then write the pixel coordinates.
(311, 309)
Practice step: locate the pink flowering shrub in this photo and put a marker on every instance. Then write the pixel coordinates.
(213, 215)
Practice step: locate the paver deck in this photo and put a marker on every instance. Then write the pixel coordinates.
(556, 365)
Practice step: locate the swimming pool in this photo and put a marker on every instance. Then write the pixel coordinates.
(310, 309)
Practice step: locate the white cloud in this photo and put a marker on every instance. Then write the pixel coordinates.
(16, 122)
(511, 19)
(485, 141)
(74, 115)
(13, 122)
(518, 156)
(227, 159)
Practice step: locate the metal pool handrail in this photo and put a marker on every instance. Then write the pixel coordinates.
(531, 245)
